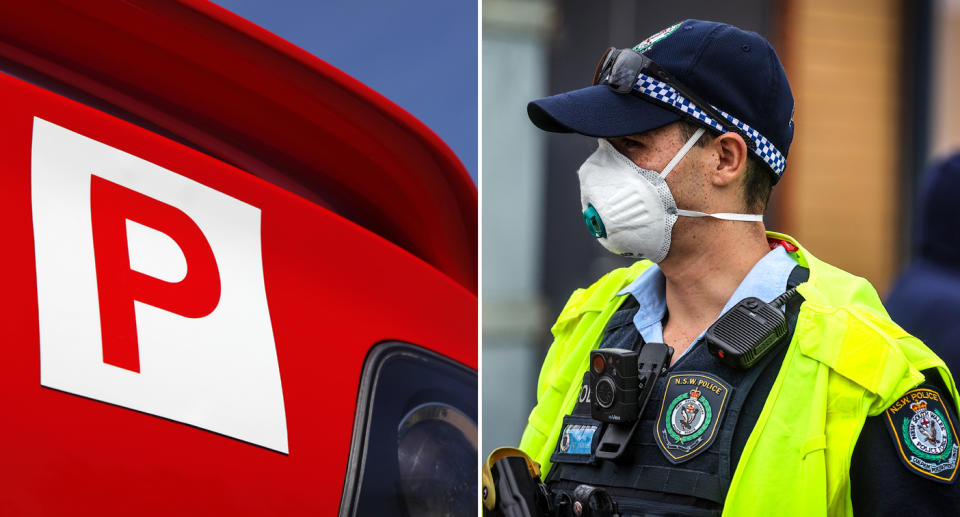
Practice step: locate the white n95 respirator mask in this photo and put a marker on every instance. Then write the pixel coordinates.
(630, 210)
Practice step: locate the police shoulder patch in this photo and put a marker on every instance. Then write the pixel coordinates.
(924, 434)
(690, 414)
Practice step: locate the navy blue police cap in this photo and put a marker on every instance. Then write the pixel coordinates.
(736, 71)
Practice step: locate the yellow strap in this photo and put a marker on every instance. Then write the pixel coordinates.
(489, 490)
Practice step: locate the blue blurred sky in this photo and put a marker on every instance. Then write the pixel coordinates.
(421, 54)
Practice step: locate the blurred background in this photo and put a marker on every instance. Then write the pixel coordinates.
(875, 84)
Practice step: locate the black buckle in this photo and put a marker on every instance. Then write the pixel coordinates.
(589, 501)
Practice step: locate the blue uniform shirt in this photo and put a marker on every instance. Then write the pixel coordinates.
(766, 280)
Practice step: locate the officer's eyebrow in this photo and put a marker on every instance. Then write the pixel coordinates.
(639, 137)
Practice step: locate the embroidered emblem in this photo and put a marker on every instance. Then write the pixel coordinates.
(924, 433)
(690, 414)
(647, 43)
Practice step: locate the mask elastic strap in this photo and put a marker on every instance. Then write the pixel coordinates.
(722, 215)
(682, 152)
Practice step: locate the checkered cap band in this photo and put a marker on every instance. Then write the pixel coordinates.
(663, 92)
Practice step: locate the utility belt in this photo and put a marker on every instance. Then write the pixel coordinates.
(512, 488)
(619, 454)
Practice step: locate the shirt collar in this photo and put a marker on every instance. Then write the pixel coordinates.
(649, 289)
(766, 280)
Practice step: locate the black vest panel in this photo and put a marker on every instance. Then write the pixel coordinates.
(643, 482)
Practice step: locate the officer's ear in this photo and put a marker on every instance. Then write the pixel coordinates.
(731, 159)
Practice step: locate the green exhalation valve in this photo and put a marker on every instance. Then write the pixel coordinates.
(594, 223)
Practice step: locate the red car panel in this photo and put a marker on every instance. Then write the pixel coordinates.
(223, 85)
(367, 229)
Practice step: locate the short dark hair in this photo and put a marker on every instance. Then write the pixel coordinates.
(757, 181)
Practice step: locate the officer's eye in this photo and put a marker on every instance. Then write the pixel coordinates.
(632, 143)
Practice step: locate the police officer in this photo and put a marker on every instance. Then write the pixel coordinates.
(845, 413)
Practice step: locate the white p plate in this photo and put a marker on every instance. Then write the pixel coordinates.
(217, 371)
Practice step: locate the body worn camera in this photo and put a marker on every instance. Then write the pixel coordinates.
(613, 385)
(629, 401)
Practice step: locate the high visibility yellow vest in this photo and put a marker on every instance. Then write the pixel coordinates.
(847, 361)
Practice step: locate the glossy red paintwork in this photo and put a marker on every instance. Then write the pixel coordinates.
(333, 288)
(241, 94)
(338, 280)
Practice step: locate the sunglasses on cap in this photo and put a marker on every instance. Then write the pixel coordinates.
(619, 69)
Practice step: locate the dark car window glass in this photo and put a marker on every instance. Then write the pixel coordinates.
(414, 450)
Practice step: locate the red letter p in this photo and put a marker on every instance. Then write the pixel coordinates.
(195, 296)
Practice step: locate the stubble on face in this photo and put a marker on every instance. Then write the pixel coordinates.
(689, 184)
